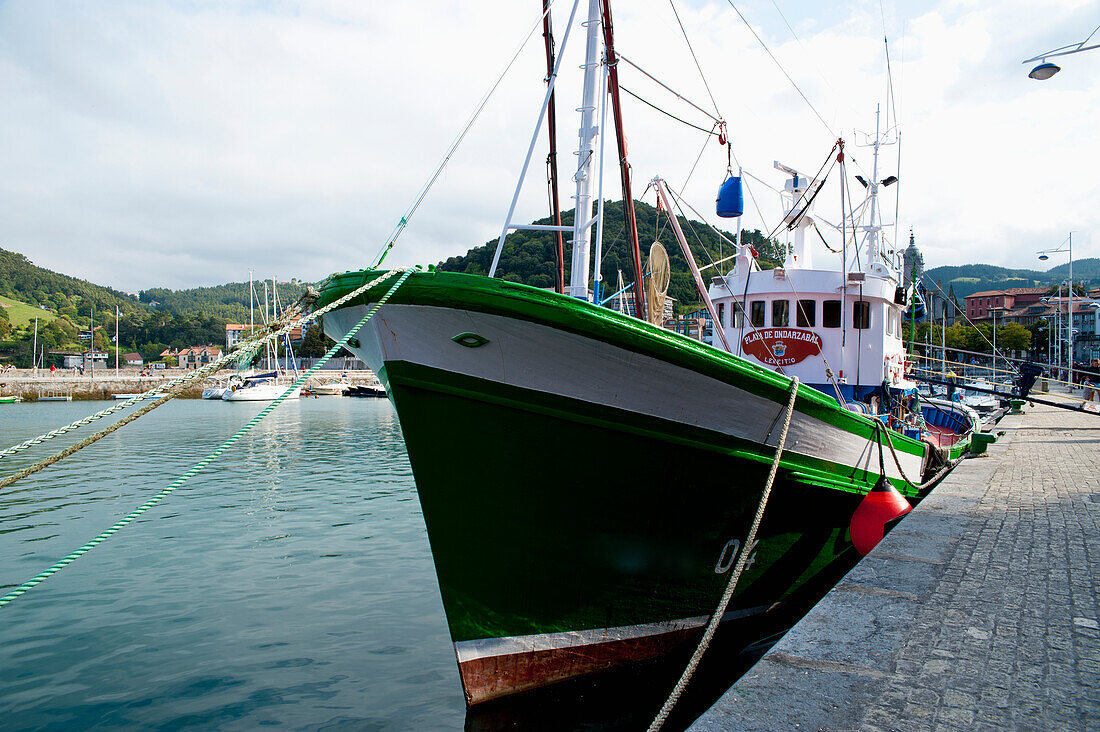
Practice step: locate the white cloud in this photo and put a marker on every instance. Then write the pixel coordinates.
(183, 143)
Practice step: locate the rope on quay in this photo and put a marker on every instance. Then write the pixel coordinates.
(198, 467)
(174, 386)
(716, 618)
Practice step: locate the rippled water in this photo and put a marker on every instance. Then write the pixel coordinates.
(290, 583)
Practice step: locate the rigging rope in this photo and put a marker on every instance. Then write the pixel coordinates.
(667, 113)
(198, 467)
(716, 618)
(773, 58)
(404, 222)
(695, 58)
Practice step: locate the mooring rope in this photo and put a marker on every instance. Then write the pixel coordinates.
(880, 429)
(716, 618)
(253, 341)
(197, 467)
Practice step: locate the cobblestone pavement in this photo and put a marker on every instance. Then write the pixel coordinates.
(980, 611)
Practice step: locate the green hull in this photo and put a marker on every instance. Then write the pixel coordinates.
(570, 535)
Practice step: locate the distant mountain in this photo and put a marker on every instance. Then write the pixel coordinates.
(970, 278)
(528, 256)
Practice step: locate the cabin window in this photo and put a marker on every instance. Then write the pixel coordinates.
(861, 315)
(889, 321)
(757, 314)
(722, 314)
(738, 315)
(781, 313)
(830, 314)
(807, 313)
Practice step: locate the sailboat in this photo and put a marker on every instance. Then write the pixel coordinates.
(268, 386)
(587, 478)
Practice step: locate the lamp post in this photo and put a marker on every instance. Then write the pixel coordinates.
(994, 310)
(1043, 257)
(1045, 70)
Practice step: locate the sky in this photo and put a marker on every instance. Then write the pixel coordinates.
(184, 143)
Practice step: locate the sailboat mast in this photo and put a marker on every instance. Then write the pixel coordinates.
(624, 167)
(34, 351)
(582, 213)
(552, 156)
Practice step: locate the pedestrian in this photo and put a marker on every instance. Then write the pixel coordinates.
(53, 369)
(1091, 380)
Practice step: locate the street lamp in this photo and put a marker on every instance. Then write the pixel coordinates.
(1045, 70)
(993, 311)
(1043, 257)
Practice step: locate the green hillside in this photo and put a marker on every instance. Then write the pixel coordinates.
(181, 317)
(229, 302)
(22, 280)
(967, 279)
(528, 256)
(20, 314)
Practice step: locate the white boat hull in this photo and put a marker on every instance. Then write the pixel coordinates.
(261, 393)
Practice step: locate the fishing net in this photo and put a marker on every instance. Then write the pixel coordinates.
(656, 283)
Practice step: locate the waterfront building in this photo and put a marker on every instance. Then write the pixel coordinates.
(980, 305)
(197, 356)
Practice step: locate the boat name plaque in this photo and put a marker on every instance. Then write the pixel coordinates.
(781, 346)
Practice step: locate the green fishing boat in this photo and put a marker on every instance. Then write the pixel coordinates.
(588, 479)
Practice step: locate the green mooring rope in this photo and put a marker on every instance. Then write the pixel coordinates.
(130, 517)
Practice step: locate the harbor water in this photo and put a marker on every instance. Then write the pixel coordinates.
(288, 584)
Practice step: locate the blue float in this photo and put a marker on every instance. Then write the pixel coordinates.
(731, 200)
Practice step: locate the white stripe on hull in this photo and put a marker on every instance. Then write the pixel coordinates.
(489, 647)
(542, 358)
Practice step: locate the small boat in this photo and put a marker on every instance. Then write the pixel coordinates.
(979, 400)
(55, 397)
(949, 424)
(260, 388)
(332, 388)
(215, 387)
(10, 399)
(373, 388)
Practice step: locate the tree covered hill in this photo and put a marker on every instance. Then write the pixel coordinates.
(180, 318)
(970, 278)
(528, 256)
(230, 302)
(22, 280)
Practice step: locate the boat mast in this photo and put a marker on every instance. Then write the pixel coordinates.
(552, 156)
(872, 227)
(582, 213)
(628, 198)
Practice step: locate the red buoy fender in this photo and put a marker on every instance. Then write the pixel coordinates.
(880, 506)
